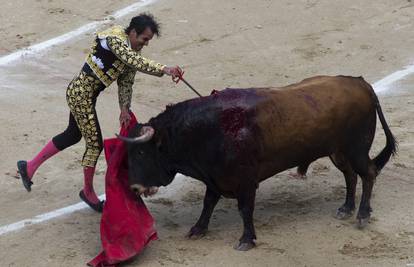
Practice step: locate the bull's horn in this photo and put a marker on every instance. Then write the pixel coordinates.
(146, 134)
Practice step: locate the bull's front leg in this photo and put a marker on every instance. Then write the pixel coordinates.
(246, 201)
(200, 228)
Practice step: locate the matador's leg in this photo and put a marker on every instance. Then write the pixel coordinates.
(81, 97)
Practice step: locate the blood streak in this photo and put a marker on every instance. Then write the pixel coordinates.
(232, 120)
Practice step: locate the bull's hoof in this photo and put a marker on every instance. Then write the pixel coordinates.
(362, 222)
(196, 232)
(343, 213)
(244, 246)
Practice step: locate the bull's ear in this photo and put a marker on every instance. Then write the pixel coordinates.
(161, 141)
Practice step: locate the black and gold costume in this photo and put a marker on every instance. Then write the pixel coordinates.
(111, 58)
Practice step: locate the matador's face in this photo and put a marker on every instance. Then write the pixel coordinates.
(138, 41)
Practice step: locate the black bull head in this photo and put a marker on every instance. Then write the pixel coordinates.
(145, 173)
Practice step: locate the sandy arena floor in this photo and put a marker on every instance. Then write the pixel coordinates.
(219, 44)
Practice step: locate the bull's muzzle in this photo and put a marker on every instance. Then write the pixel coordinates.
(140, 189)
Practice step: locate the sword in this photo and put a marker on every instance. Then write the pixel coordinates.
(180, 77)
(189, 85)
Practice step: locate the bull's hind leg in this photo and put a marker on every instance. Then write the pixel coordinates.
(245, 201)
(359, 142)
(300, 171)
(366, 169)
(346, 210)
(200, 228)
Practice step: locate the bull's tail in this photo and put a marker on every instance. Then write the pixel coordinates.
(390, 148)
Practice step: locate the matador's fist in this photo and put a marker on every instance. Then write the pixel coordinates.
(175, 72)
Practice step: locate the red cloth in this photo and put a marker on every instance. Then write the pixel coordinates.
(126, 224)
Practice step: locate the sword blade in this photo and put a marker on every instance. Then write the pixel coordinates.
(192, 88)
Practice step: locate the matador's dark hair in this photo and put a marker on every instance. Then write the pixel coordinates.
(141, 22)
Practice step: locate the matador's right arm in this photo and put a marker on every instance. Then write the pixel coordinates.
(133, 58)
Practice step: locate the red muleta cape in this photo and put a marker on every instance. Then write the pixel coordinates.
(126, 224)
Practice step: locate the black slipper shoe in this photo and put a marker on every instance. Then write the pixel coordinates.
(22, 167)
(97, 207)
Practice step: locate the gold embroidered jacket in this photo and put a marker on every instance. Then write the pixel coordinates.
(112, 58)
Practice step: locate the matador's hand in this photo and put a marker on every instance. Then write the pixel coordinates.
(175, 72)
(124, 118)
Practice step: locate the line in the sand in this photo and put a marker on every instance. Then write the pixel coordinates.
(13, 227)
(43, 217)
(37, 48)
(384, 84)
(50, 215)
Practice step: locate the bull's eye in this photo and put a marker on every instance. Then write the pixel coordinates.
(140, 152)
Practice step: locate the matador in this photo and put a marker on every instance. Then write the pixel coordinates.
(115, 56)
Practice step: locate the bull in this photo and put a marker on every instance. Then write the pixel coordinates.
(236, 138)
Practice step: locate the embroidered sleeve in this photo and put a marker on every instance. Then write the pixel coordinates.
(133, 59)
(125, 82)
